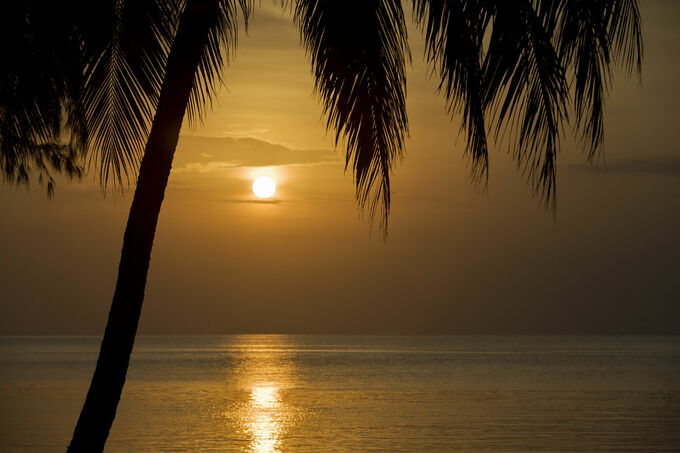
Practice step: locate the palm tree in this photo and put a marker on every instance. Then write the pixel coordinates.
(513, 69)
(193, 65)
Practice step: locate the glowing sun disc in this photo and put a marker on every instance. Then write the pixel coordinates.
(264, 187)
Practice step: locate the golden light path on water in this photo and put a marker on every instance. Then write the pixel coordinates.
(263, 422)
(260, 413)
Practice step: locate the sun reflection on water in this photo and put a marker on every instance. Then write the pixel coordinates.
(263, 423)
(261, 412)
(265, 396)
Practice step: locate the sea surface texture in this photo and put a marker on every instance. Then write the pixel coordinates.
(269, 393)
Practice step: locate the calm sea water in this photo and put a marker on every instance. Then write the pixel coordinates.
(262, 393)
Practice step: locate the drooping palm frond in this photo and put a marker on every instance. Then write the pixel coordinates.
(584, 45)
(216, 54)
(52, 157)
(525, 88)
(37, 78)
(358, 51)
(624, 30)
(125, 47)
(528, 47)
(592, 35)
(454, 33)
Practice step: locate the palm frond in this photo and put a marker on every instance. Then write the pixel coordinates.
(49, 158)
(583, 43)
(624, 31)
(125, 47)
(454, 33)
(358, 51)
(38, 77)
(524, 85)
(590, 37)
(216, 54)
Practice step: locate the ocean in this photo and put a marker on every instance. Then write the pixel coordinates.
(289, 393)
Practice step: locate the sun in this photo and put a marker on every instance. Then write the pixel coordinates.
(264, 187)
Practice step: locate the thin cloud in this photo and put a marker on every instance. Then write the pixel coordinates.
(241, 133)
(210, 154)
(206, 167)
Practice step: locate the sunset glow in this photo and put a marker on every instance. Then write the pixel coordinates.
(387, 226)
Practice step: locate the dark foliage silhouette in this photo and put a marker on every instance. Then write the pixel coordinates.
(110, 82)
(37, 84)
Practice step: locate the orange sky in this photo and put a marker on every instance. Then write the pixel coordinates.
(457, 260)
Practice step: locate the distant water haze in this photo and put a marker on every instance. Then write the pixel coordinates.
(278, 393)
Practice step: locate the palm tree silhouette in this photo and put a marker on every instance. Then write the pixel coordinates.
(514, 70)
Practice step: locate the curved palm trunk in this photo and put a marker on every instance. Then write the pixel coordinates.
(107, 383)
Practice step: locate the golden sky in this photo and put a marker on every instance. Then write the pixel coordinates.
(457, 260)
